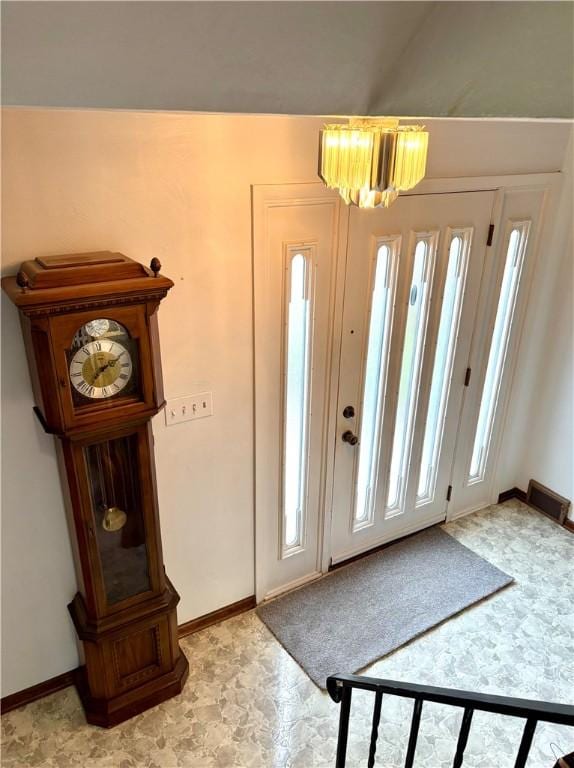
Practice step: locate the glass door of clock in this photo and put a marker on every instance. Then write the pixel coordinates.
(412, 283)
(118, 517)
(116, 492)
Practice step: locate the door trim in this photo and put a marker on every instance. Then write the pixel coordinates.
(484, 183)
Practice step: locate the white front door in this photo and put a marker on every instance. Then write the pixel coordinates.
(384, 346)
(412, 283)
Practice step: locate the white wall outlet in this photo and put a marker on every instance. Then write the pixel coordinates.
(188, 408)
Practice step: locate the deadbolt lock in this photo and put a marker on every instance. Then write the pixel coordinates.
(348, 412)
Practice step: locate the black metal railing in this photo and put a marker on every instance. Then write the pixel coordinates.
(340, 689)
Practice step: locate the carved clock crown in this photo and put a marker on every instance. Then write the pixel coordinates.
(56, 284)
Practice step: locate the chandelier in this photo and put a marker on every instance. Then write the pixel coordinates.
(371, 160)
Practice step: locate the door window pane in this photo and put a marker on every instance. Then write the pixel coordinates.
(410, 369)
(443, 361)
(383, 285)
(498, 347)
(296, 397)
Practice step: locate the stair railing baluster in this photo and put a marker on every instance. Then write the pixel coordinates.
(413, 736)
(375, 728)
(526, 742)
(343, 727)
(463, 736)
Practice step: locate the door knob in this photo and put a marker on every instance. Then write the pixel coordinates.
(349, 437)
(348, 412)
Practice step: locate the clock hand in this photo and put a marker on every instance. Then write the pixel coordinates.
(103, 368)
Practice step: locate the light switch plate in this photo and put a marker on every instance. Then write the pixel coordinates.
(188, 408)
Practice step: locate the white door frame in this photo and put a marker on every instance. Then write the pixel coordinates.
(269, 195)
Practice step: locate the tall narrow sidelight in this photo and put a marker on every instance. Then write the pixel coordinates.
(515, 250)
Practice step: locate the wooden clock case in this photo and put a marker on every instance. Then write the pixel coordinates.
(130, 645)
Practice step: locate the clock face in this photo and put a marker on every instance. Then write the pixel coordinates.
(102, 362)
(101, 368)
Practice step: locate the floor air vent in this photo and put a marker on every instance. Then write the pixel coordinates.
(543, 499)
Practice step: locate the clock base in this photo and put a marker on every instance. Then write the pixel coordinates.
(109, 712)
(132, 658)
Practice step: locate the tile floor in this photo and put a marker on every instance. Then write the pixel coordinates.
(247, 704)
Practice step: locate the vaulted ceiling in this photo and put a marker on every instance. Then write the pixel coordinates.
(456, 59)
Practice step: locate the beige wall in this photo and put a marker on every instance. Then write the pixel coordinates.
(177, 187)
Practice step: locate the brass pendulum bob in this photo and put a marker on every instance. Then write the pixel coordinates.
(114, 519)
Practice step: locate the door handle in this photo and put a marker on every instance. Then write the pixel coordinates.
(349, 437)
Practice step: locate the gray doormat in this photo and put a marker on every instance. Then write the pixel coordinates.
(369, 608)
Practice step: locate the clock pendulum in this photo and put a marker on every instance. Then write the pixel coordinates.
(113, 518)
(89, 323)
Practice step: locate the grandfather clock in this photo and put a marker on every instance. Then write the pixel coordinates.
(90, 330)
